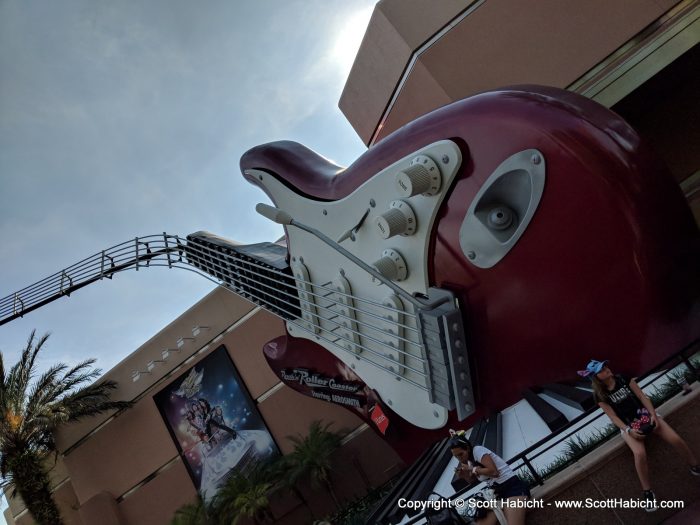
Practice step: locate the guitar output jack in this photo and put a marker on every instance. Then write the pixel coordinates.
(500, 218)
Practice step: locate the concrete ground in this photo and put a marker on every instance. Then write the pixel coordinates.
(690, 514)
(609, 473)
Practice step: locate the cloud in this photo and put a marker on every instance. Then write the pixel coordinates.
(124, 119)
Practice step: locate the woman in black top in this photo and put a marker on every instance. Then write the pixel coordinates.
(632, 412)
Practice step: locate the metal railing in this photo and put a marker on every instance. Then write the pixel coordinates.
(151, 250)
(524, 459)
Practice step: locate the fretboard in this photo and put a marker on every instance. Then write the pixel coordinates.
(257, 272)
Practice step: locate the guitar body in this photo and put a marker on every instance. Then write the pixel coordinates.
(605, 268)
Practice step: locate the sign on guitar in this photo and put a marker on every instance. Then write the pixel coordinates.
(332, 389)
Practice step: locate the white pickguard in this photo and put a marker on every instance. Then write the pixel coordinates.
(376, 362)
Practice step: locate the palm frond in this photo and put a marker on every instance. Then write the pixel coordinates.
(2, 373)
(72, 379)
(22, 372)
(89, 401)
(26, 363)
(32, 408)
(197, 513)
(244, 495)
(3, 385)
(40, 393)
(30, 412)
(312, 455)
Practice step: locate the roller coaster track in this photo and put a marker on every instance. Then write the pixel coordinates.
(152, 250)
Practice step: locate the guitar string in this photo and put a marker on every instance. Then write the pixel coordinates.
(116, 260)
(352, 342)
(324, 297)
(332, 342)
(281, 273)
(331, 320)
(377, 365)
(126, 248)
(329, 341)
(321, 297)
(147, 243)
(266, 303)
(97, 261)
(351, 319)
(339, 325)
(117, 255)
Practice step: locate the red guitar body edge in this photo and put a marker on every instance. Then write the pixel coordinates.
(607, 268)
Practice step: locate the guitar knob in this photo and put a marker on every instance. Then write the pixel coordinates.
(392, 265)
(398, 220)
(421, 177)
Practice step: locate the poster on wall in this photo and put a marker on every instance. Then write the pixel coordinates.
(214, 422)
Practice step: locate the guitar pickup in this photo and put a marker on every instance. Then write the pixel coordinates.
(346, 328)
(394, 334)
(307, 299)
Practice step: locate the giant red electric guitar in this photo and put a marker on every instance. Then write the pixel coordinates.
(519, 233)
(494, 244)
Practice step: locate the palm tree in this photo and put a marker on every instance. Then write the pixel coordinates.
(254, 503)
(281, 471)
(312, 457)
(197, 513)
(245, 495)
(30, 412)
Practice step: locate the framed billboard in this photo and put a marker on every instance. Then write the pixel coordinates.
(214, 423)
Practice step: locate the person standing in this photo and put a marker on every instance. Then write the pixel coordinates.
(212, 419)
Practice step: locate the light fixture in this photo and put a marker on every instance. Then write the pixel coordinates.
(136, 374)
(152, 364)
(166, 353)
(181, 341)
(196, 330)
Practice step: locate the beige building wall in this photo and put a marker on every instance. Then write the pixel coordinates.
(126, 469)
(417, 56)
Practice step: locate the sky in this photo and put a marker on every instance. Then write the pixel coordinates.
(124, 119)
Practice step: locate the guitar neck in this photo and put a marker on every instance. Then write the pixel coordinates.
(257, 272)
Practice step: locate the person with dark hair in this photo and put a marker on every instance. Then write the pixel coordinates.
(629, 408)
(191, 419)
(195, 416)
(480, 463)
(216, 419)
(204, 405)
(212, 418)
